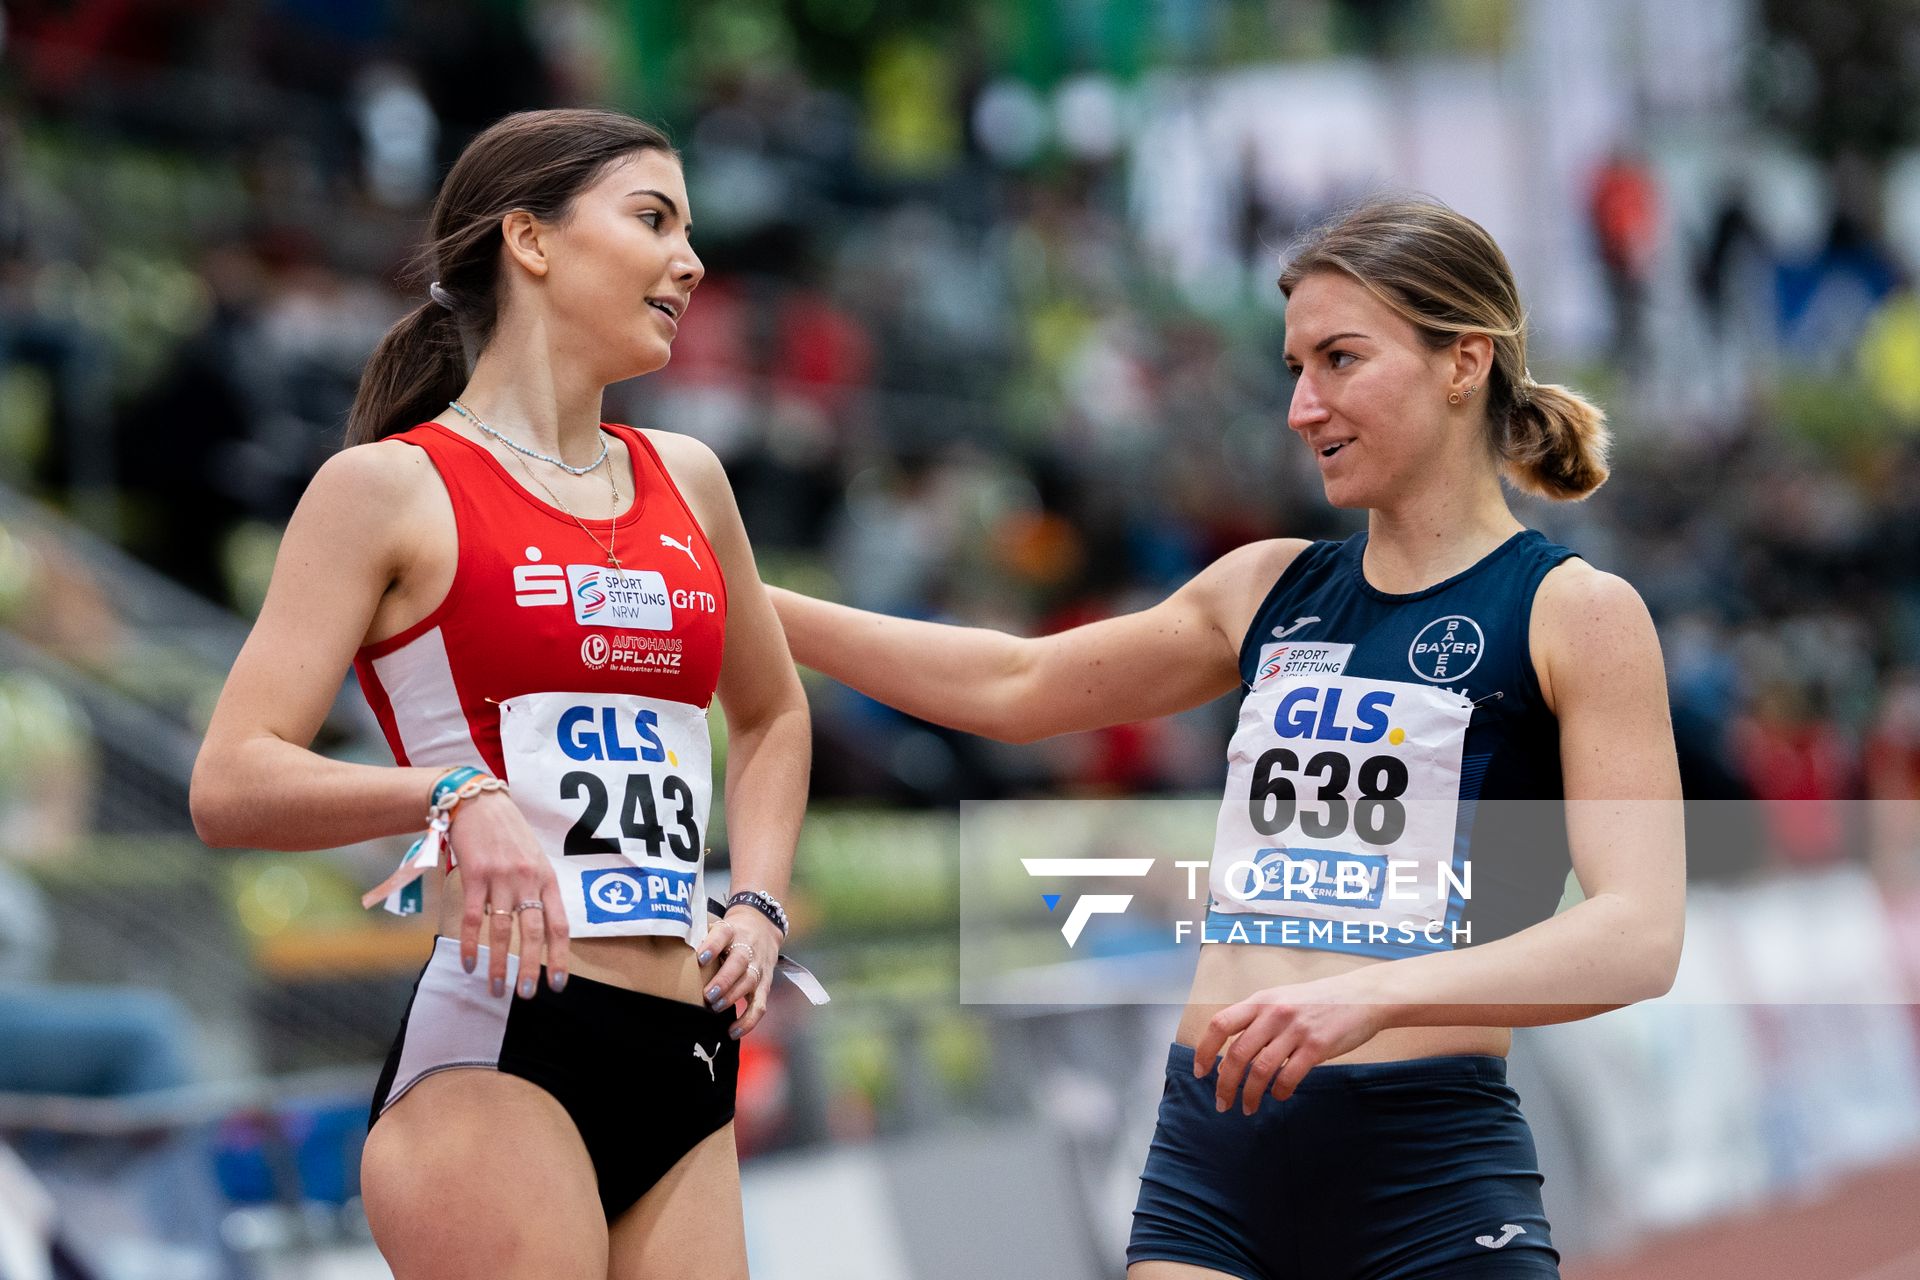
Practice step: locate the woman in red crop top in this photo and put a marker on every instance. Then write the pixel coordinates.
(540, 607)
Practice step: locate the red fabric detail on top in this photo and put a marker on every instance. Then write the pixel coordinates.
(506, 636)
(382, 709)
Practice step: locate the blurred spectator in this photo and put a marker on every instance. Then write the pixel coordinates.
(1825, 301)
(1736, 249)
(187, 432)
(1624, 210)
(1892, 764)
(1797, 762)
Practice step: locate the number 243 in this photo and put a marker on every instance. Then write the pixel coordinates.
(639, 815)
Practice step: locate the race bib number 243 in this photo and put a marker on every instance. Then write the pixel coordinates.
(617, 788)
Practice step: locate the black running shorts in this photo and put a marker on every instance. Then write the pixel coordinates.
(644, 1078)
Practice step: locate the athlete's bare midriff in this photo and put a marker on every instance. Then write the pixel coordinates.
(661, 966)
(1230, 972)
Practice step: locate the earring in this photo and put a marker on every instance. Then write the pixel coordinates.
(1453, 397)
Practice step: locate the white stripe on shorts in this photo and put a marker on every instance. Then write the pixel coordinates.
(454, 1021)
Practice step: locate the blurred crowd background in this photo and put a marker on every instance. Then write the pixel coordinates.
(989, 333)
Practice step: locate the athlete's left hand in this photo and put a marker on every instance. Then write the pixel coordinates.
(742, 938)
(1280, 1034)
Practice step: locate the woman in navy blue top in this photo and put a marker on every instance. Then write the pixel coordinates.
(1406, 691)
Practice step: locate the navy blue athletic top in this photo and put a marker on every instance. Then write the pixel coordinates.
(1467, 635)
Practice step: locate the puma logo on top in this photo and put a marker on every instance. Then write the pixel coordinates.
(666, 540)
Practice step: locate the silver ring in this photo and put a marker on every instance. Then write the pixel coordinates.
(531, 904)
(742, 945)
(754, 969)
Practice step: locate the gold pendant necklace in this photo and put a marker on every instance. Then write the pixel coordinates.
(613, 529)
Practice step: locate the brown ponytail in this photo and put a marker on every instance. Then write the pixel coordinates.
(1443, 274)
(537, 161)
(413, 372)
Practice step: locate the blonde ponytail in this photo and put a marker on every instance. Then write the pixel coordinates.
(1555, 442)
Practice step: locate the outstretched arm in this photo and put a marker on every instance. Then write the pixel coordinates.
(1603, 676)
(1181, 653)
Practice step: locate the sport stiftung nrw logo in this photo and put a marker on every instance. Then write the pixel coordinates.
(1088, 905)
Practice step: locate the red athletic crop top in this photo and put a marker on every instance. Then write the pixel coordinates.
(535, 607)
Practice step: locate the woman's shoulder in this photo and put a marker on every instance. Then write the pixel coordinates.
(1239, 582)
(380, 486)
(676, 449)
(1261, 563)
(382, 469)
(691, 464)
(1587, 622)
(1252, 571)
(1573, 590)
(384, 464)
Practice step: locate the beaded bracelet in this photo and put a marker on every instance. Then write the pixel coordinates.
(401, 890)
(446, 797)
(765, 903)
(452, 780)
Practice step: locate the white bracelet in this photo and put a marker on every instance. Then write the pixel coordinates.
(441, 813)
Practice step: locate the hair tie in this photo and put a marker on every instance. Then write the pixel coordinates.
(440, 296)
(1524, 387)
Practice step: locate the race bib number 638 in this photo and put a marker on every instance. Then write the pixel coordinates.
(1342, 800)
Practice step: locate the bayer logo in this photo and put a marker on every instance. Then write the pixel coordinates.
(1447, 648)
(594, 651)
(618, 893)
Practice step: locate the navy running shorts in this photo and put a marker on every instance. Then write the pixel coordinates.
(1412, 1170)
(589, 1046)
